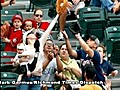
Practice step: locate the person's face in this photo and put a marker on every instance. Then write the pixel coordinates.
(56, 49)
(48, 46)
(38, 16)
(64, 52)
(20, 51)
(17, 23)
(100, 50)
(91, 43)
(28, 25)
(31, 39)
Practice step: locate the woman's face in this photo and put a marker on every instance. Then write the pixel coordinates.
(31, 39)
(48, 46)
(64, 52)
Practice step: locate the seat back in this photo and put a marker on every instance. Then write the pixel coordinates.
(115, 55)
(41, 3)
(6, 15)
(10, 78)
(8, 54)
(6, 57)
(92, 21)
(112, 19)
(112, 35)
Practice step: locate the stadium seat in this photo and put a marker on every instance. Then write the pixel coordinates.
(112, 40)
(7, 54)
(112, 19)
(92, 21)
(6, 15)
(38, 3)
(2, 45)
(9, 78)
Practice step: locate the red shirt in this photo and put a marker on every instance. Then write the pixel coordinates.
(44, 26)
(15, 38)
(2, 1)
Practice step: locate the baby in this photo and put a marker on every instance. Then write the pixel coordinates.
(21, 61)
(28, 26)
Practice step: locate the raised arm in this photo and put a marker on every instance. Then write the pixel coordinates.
(84, 45)
(69, 47)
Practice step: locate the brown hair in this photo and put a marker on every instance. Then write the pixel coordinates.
(36, 10)
(104, 48)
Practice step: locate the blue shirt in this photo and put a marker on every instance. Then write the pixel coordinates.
(105, 4)
(95, 60)
(107, 68)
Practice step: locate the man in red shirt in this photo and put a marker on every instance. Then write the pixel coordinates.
(41, 26)
(38, 17)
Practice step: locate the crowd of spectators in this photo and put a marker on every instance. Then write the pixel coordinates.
(39, 59)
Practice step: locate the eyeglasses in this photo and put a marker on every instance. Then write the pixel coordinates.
(49, 44)
(39, 15)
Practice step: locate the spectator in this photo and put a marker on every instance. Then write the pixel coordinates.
(108, 69)
(5, 3)
(71, 69)
(15, 35)
(87, 55)
(110, 5)
(71, 7)
(32, 62)
(41, 26)
(38, 17)
(90, 73)
(51, 63)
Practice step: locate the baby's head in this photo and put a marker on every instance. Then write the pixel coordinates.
(28, 24)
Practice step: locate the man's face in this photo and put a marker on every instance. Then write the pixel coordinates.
(38, 16)
(100, 50)
(17, 23)
(91, 43)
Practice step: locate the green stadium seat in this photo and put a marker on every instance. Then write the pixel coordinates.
(2, 45)
(6, 15)
(92, 21)
(6, 65)
(9, 78)
(8, 54)
(112, 41)
(38, 3)
(112, 19)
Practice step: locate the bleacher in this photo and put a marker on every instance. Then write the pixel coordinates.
(86, 22)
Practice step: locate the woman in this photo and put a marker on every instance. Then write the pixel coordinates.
(29, 83)
(71, 69)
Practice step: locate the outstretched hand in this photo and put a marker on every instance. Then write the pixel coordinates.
(65, 34)
(77, 36)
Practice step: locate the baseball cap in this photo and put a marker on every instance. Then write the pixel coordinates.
(94, 38)
(17, 17)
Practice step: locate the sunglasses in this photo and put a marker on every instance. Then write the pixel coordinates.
(38, 15)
